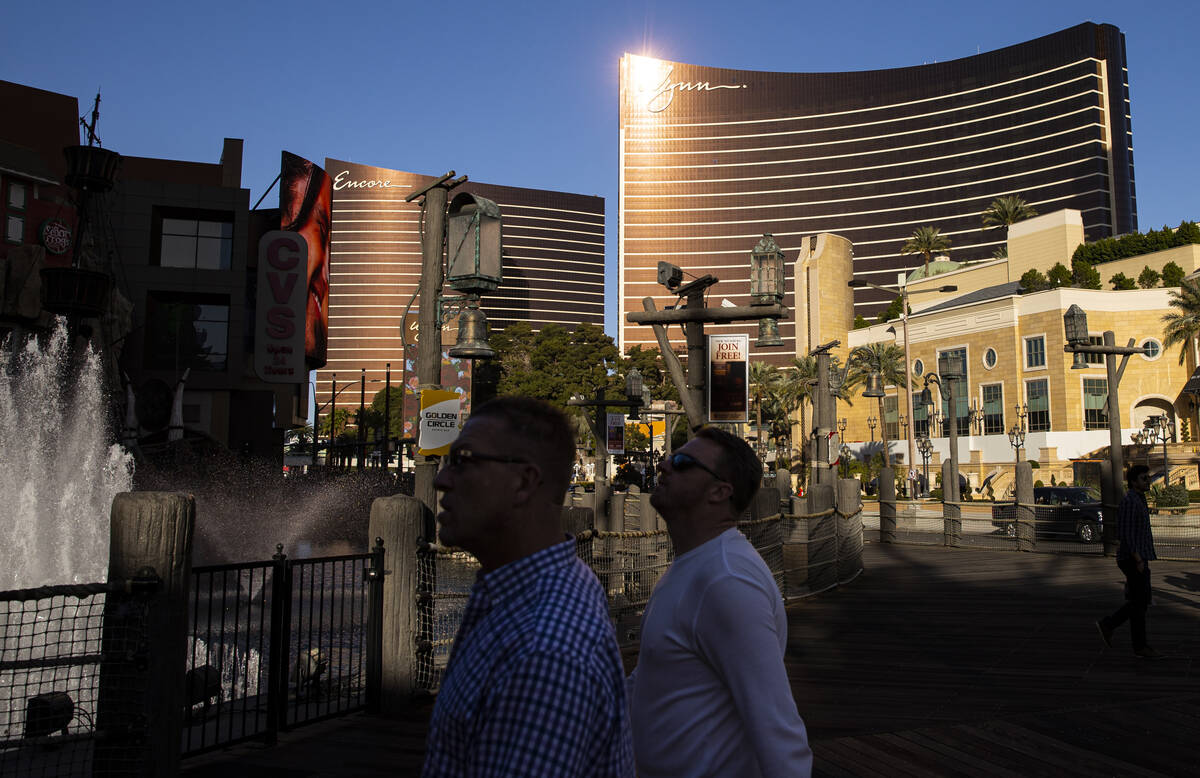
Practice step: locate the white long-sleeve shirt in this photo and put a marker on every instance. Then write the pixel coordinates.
(710, 695)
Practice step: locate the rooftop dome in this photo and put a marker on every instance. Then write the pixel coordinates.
(939, 265)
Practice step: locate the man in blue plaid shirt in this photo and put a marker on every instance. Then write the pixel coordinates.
(535, 684)
(1134, 553)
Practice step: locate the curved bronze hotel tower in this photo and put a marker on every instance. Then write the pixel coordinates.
(713, 158)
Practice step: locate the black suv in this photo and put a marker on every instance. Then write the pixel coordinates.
(1062, 513)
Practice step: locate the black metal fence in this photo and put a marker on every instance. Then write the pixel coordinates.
(280, 643)
(58, 650)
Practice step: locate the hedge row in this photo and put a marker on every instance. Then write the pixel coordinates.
(1137, 243)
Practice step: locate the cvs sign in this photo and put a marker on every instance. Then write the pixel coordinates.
(279, 322)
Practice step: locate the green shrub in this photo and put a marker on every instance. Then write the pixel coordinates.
(1038, 484)
(1032, 280)
(1137, 243)
(1193, 495)
(936, 493)
(1149, 278)
(1122, 282)
(1172, 496)
(1086, 276)
(1059, 276)
(1172, 275)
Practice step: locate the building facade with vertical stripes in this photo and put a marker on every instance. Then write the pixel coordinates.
(713, 158)
(553, 261)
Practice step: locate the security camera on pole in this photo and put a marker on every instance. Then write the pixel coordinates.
(766, 296)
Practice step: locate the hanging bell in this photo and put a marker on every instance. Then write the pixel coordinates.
(768, 334)
(1079, 361)
(472, 340)
(874, 386)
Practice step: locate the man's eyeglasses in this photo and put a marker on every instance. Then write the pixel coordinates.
(682, 461)
(461, 456)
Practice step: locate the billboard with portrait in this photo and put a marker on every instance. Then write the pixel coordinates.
(306, 208)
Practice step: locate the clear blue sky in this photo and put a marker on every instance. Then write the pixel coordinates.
(525, 93)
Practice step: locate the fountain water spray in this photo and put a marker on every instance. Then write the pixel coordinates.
(59, 471)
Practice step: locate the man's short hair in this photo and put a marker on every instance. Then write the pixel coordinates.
(1133, 472)
(739, 464)
(539, 431)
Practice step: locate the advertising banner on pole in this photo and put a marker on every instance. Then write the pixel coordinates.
(306, 208)
(728, 390)
(440, 413)
(616, 433)
(279, 325)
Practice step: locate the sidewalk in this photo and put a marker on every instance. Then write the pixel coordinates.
(934, 662)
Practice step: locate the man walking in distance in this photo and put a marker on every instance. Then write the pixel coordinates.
(535, 684)
(710, 695)
(1134, 553)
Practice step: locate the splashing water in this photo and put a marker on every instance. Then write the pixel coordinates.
(59, 471)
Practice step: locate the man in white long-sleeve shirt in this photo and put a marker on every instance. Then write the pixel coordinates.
(710, 695)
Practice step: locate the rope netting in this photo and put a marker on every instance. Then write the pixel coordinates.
(807, 553)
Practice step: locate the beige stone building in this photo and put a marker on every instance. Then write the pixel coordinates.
(1017, 370)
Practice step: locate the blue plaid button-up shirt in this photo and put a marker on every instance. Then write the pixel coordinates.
(1133, 527)
(535, 684)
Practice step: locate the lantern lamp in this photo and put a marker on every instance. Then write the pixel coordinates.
(473, 244)
(766, 272)
(1075, 324)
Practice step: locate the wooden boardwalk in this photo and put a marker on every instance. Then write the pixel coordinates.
(933, 662)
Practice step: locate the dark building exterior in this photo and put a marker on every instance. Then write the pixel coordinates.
(187, 243)
(37, 210)
(553, 260)
(713, 158)
(179, 242)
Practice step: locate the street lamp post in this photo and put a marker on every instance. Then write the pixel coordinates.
(950, 369)
(975, 418)
(1016, 439)
(925, 446)
(1158, 428)
(872, 422)
(1141, 439)
(635, 398)
(1078, 343)
(904, 294)
(473, 266)
(825, 405)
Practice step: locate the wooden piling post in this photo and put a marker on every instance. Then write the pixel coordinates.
(398, 520)
(149, 531)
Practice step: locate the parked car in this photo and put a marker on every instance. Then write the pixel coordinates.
(1061, 513)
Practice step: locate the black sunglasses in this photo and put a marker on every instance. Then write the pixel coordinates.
(460, 456)
(682, 461)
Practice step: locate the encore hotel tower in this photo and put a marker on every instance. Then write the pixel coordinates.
(713, 158)
(553, 260)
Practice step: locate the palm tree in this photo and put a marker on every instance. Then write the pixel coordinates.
(1182, 324)
(764, 377)
(798, 382)
(884, 358)
(1007, 211)
(926, 241)
(797, 387)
